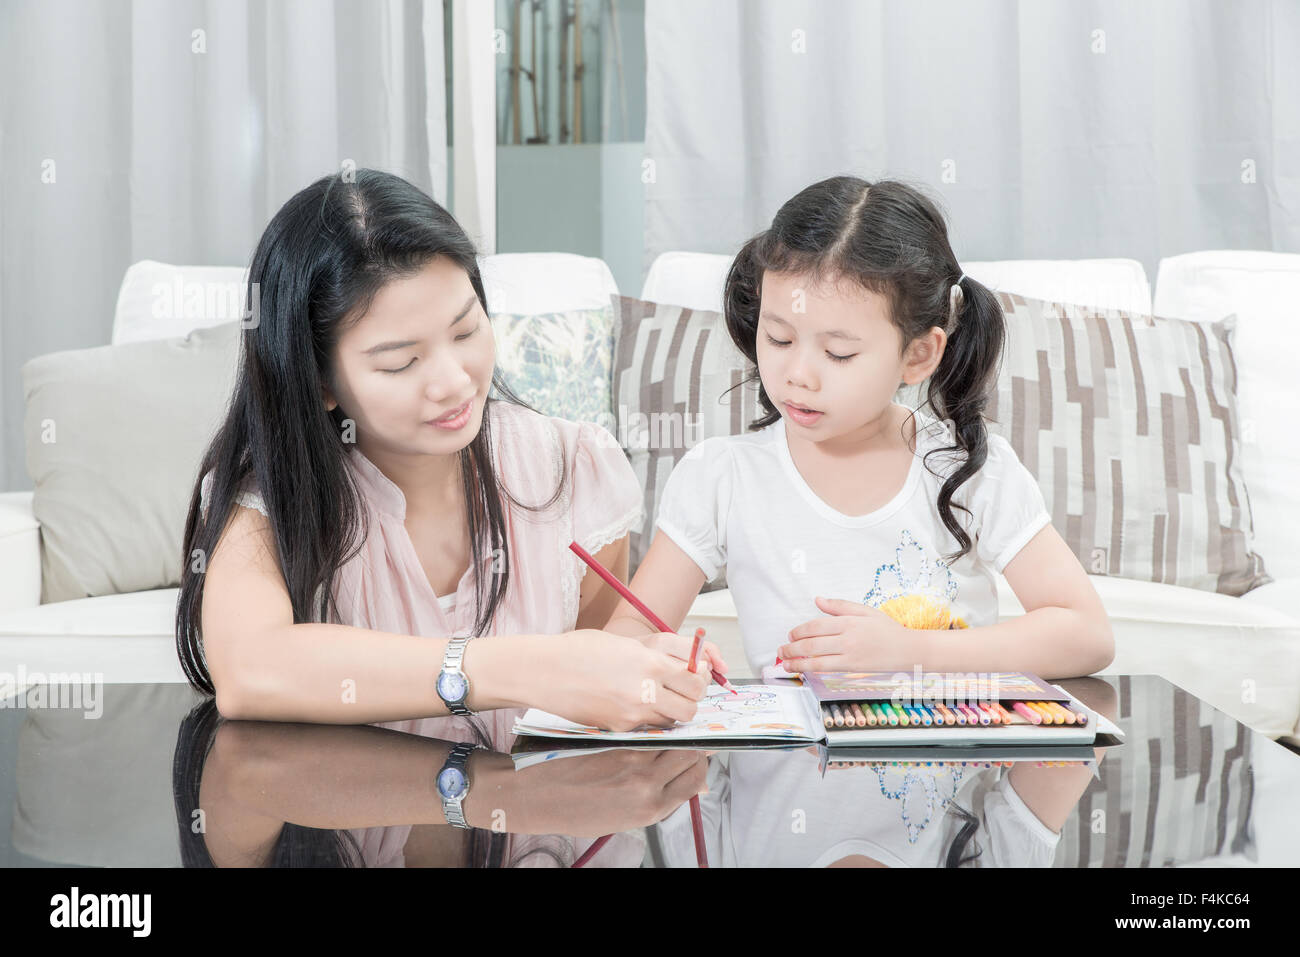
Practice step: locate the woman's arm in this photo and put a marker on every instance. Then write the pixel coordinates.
(266, 667)
(597, 600)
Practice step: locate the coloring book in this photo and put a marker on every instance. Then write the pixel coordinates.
(798, 711)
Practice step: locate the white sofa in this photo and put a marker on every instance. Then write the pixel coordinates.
(1240, 654)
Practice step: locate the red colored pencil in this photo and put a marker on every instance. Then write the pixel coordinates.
(590, 852)
(636, 603)
(697, 829)
(695, 649)
(697, 816)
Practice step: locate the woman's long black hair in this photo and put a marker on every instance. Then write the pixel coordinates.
(319, 263)
(891, 239)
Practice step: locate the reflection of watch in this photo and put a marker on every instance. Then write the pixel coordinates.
(453, 783)
(453, 683)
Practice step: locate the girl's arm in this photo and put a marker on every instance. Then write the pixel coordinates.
(667, 581)
(1065, 631)
(264, 666)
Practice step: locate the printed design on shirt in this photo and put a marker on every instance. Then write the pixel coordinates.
(923, 792)
(915, 590)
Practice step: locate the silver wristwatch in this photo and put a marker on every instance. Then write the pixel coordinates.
(453, 683)
(453, 783)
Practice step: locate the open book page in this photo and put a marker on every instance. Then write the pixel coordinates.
(757, 711)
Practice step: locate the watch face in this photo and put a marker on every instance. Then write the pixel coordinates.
(451, 782)
(451, 687)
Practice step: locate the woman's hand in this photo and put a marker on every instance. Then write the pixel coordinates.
(679, 646)
(614, 682)
(854, 637)
(606, 792)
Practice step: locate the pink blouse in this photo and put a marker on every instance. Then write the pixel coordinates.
(384, 586)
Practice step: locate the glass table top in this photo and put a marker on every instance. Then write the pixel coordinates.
(151, 775)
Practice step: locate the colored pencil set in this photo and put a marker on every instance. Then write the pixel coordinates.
(886, 714)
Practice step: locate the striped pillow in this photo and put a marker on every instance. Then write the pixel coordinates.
(1129, 423)
(673, 368)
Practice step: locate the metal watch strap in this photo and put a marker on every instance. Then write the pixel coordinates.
(451, 664)
(451, 807)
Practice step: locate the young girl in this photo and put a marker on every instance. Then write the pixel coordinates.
(390, 505)
(859, 534)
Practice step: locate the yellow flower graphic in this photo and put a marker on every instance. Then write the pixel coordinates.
(914, 590)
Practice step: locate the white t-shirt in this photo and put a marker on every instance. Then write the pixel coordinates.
(740, 502)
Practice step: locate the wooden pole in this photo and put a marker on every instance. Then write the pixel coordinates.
(537, 136)
(515, 98)
(618, 61)
(565, 20)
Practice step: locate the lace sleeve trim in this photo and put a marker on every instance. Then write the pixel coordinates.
(247, 498)
(596, 540)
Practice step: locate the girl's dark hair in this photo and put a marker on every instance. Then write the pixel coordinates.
(317, 267)
(956, 856)
(891, 239)
(298, 845)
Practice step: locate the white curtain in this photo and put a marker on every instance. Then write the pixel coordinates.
(1048, 129)
(173, 130)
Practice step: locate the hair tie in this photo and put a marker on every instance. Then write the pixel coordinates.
(956, 297)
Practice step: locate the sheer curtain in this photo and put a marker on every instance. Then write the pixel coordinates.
(173, 130)
(1048, 129)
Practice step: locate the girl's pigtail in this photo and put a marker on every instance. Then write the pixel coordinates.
(960, 387)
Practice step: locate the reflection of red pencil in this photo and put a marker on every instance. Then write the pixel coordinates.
(636, 603)
(697, 831)
(697, 816)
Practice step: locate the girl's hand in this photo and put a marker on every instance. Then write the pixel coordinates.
(612, 681)
(679, 646)
(854, 637)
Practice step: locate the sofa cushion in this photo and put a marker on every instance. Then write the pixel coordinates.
(114, 439)
(674, 373)
(161, 300)
(1261, 289)
(1130, 424)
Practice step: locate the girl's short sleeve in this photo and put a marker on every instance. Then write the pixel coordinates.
(606, 493)
(694, 502)
(1007, 504)
(1017, 838)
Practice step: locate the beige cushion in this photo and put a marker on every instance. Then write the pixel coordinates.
(114, 438)
(1130, 424)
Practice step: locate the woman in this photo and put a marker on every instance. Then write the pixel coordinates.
(362, 471)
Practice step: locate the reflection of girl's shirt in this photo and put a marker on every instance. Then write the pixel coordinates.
(773, 809)
(384, 587)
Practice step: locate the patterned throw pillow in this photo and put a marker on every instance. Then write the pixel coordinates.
(558, 362)
(672, 366)
(1129, 423)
